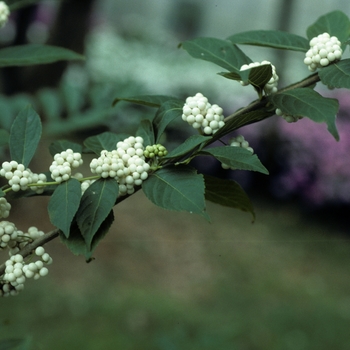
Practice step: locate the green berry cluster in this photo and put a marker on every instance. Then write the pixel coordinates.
(157, 150)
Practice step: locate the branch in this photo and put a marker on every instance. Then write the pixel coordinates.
(257, 104)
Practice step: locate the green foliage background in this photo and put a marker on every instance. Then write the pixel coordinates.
(281, 283)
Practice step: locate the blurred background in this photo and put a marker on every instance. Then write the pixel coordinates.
(164, 280)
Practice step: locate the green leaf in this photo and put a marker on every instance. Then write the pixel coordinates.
(177, 188)
(4, 137)
(76, 242)
(334, 23)
(256, 76)
(167, 112)
(105, 141)
(271, 38)
(25, 136)
(63, 204)
(63, 145)
(31, 54)
(96, 203)
(336, 75)
(227, 193)
(231, 75)
(259, 76)
(146, 131)
(2, 193)
(221, 52)
(236, 157)
(308, 103)
(146, 100)
(187, 146)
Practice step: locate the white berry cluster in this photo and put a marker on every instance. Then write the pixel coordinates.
(200, 114)
(8, 234)
(126, 164)
(287, 117)
(14, 239)
(238, 141)
(271, 85)
(5, 208)
(324, 49)
(61, 167)
(17, 270)
(4, 13)
(21, 178)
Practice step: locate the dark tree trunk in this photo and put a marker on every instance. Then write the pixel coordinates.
(69, 31)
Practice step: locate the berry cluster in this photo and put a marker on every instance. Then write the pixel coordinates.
(200, 114)
(61, 167)
(8, 234)
(21, 178)
(238, 141)
(155, 151)
(271, 85)
(17, 270)
(5, 208)
(4, 13)
(126, 164)
(287, 117)
(324, 49)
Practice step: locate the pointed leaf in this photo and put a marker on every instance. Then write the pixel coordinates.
(308, 103)
(63, 204)
(231, 75)
(167, 112)
(96, 203)
(76, 242)
(177, 188)
(191, 143)
(105, 141)
(25, 136)
(146, 131)
(28, 55)
(227, 193)
(146, 100)
(259, 76)
(334, 23)
(4, 137)
(237, 158)
(63, 145)
(271, 38)
(336, 75)
(221, 52)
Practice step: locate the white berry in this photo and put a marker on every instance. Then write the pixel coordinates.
(324, 49)
(199, 113)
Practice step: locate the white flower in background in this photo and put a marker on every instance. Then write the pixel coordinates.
(4, 13)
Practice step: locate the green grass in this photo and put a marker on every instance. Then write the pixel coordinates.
(175, 282)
